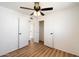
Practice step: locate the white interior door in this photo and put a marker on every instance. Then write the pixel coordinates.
(48, 33)
(36, 30)
(23, 32)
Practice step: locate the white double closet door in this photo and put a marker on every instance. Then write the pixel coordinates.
(23, 32)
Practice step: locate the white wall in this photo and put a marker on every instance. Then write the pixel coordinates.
(65, 26)
(8, 30)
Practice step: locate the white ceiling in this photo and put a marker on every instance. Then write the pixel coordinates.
(55, 5)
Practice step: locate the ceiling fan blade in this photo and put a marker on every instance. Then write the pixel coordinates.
(47, 9)
(32, 13)
(26, 8)
(42, 14)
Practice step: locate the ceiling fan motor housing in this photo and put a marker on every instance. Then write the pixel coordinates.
(37, 8)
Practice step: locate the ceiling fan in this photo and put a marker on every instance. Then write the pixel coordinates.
(38, 9)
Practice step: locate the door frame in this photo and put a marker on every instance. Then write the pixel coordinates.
(18, 31)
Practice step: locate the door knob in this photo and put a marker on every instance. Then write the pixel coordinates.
(51, 33)
(19, 33)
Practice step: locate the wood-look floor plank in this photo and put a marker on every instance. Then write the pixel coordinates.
(43, 54)
(42, 51)
(62, 54)
(21, 53)
(34, 50)
(48, 53)
(58, 53)
(66, 54)
(53, 52)
(38, 50)
(30, 51)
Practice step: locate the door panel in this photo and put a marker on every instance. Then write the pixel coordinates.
(48, 33)
(36, 30)
(23, 32)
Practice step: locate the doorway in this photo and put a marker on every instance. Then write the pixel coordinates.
(41, 31)
(31, 24)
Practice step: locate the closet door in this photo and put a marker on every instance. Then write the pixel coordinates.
(23, 31)
(36, 30)
(49, 32)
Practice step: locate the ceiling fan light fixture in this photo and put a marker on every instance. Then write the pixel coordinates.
(37, 13)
